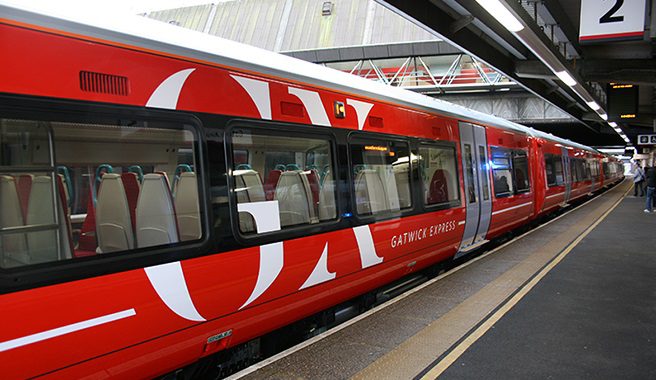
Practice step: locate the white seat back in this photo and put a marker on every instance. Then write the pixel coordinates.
(113, 223)
(293, 195)
(186, 207)
(370, 193)
(249, 188)
(14, 246)
(399, 184)
(42, 245)
(327, 209)
(156, 222)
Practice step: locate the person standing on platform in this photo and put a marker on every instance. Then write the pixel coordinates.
(651, 187)
(638, 180)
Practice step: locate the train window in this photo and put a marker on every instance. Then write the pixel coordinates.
(295, 171)
(554, 169)
(469, 172)
(580, 172)
(501, 172)
(484, 172)
(381, 175)
(520, 171)
(594, 168)
(112, 188)
(439, 174)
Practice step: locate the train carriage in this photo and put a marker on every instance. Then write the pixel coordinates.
(167, 195)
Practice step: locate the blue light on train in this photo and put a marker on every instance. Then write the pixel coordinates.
(347, 215)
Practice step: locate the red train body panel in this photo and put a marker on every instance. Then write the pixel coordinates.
(119, 323)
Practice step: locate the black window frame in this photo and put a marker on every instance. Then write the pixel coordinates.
(69, 111)
(512, 154)
(551, 159)
(444, 205)
(524, 154)
(508, 152)
(390, 214)
(275, 128)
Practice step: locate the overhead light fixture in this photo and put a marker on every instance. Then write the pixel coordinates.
(603, 116)
(566, 78)
(613, 124)
(497, 10)
(593, 105)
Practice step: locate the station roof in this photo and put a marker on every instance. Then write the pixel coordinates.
(551, 31)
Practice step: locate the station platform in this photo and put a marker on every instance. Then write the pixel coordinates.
(573, 298)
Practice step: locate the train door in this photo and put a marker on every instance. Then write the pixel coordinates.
(567, 172)
(476, 170)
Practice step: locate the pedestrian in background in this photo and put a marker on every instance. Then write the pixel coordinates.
(651, 187)
(638, 180)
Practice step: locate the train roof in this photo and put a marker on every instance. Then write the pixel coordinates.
(155, 35)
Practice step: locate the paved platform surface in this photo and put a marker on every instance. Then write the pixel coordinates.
(591, 315)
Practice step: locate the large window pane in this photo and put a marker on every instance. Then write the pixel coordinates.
(439, 174)
(554, 167)
(501, 171)
(381, 175)
(484, 172)
(113, 188)
(469, 172)
(520, 171)
(297, 172)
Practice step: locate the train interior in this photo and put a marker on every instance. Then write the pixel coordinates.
(298, 173)
(72, 190)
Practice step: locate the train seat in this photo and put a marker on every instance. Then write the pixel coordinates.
(438, 189)
(271, 182)
(248, 188)
(166, 178)
(14, 246)
(327, 208)
(65, 229)
(113, 222)
(315, 187)
(156, 222)
(87, 243)
(24, 186)
(132, 187)
(370, 192)
(40, 210)
(294, 199)
(187, 208)
(402, 184)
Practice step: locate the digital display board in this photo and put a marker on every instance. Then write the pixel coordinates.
(622, 100)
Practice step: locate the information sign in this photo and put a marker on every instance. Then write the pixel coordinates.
(609, 20)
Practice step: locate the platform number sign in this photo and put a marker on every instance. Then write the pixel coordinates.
(646, 139)
(612, 20)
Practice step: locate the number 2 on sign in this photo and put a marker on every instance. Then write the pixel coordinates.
(608, 17)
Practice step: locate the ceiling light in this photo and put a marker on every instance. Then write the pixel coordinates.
(566, 78)
(603, 116)
(593, 105)
(497, 10)
(613, 124)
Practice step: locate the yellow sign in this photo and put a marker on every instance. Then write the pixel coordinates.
(377, 148)
(615, 86)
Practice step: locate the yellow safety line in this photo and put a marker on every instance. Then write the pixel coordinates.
(445, 363)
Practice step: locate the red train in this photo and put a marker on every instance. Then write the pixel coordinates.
(167, 195)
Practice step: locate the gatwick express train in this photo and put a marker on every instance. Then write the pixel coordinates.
(166, 195)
